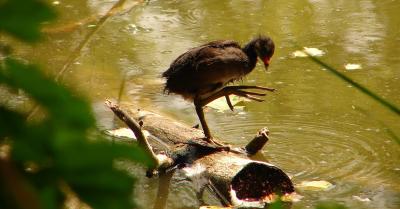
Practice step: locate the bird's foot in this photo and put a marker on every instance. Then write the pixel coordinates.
(211, 140)
(253, 87)
(238, 91)
(229, 90)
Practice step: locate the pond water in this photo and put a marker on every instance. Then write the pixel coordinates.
(321, 128)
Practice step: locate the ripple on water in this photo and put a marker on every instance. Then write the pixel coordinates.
(192, 16)
(312, 149)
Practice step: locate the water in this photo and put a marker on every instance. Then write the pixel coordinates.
(317, 129)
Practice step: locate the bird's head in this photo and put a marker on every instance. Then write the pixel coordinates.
(265, 48)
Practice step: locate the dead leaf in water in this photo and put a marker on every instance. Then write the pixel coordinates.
(315, 185)
(351, 66)
(221, 105)
(366, 199)
(314, 52)
(121, 132)
(299, 53)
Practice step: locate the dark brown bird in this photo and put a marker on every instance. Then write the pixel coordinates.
(202, 73)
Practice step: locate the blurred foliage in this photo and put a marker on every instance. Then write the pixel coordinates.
(44, 161)
(22, 18)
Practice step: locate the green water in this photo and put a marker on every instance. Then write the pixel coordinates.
(317, 130)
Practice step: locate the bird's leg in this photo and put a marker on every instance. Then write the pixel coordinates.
(226, 91)
(200, 113)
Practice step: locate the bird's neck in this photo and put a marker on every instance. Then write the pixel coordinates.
(251, 53)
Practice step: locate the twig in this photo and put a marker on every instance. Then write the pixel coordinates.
(160, 161)
(135, 127)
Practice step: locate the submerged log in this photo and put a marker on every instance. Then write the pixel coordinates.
(228, 172)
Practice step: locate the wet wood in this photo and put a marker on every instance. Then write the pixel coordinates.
(227, 171)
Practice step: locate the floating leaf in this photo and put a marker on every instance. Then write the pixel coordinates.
(350, 66)
(75, 113)
(315, 185)
(121, 132)
(221, 105)
(299, 53)
(314, 52)
(361, 199)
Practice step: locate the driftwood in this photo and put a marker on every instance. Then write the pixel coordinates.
(228, 172)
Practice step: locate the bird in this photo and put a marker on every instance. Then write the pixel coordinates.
(203, 74)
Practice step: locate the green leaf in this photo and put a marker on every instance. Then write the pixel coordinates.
(66, 109)
(10, 122)
(103, 189)
(276, 205)
(51, 197)
(59, 146)
(27, 144)
(97, 155)
(22, 18)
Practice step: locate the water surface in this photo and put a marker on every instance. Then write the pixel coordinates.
(317, 129)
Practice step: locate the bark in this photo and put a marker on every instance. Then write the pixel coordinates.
(227, 171)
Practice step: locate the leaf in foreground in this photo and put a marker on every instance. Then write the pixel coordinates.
(57, 148)
(22, 18)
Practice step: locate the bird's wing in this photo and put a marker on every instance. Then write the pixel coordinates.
(204, 55)
(222, 44)
(225, 65)
(211, 58)
(184, 61)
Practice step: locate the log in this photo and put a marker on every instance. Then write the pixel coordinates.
(227, 171)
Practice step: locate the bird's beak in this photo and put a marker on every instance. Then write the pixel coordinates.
(266, 61)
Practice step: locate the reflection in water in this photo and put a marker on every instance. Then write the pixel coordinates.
(163, 191)
(316, 134)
